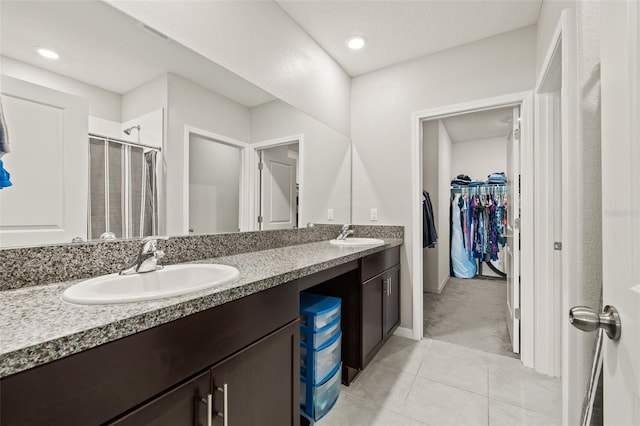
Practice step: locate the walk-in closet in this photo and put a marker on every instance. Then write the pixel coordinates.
(470, 238)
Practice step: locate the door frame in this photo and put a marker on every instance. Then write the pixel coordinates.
(525, 100)
(254, 175)
(553, 293)
(245, 190)
(562, 42)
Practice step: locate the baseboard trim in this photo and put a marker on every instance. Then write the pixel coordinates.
(443, 283)
(404, 332)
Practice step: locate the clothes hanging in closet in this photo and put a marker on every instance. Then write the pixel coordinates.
(482, 220)
(462, 264)
(429, 233)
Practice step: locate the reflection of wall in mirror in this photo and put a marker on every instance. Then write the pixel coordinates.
(167, 104)
(214, 186)
(326, 159)
(196, 107)
(103, 116)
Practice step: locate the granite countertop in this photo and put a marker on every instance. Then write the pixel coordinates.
(37, 326)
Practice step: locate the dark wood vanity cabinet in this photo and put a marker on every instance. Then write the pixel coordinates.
(380, 275)
(184, 405)
(245, 352)
(370, 293)
(157, 376)
(257, 386)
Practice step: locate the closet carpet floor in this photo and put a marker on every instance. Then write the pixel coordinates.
(470, 313)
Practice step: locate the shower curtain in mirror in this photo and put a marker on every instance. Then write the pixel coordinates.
(123, 195)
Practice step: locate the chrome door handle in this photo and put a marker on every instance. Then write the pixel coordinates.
(587, 319)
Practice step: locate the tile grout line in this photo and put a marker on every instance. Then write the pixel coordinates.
(488, 392)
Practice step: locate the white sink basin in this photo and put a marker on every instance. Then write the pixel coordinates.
(354, 242)
(170, 281)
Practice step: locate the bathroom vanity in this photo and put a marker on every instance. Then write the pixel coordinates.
(230, 355)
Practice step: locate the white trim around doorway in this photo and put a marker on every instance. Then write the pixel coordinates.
(245, 187)
(254, 204)
(525, 101)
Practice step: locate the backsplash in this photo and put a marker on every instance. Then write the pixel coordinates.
(29, 266)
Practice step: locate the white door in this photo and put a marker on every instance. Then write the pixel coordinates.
(48, 163)
(278, 189)
(620, 47)
(513, 232)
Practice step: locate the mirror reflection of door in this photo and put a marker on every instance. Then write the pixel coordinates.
(279, 187)
(214, 186)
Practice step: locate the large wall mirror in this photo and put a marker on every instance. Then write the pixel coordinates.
(127, 133)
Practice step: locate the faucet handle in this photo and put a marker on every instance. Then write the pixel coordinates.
(346, 226)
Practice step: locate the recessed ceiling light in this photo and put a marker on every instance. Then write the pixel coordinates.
(48, 53)
(356, 42)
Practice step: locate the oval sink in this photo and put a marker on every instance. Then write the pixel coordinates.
(353, 242)
(170, 281)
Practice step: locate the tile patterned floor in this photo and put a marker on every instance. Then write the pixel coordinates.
(437, 383)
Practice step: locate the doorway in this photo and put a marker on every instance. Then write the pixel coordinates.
(214, 175)
(279, 186)
(525, 101)
(470, 276)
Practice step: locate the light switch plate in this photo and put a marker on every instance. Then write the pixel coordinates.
(374, 214)
(330, 214)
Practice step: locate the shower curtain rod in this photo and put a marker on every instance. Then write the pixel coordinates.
(123, 142)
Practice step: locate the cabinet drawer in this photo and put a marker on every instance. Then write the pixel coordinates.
(377, 263)
(316, 401)
(316, 365)
(318, 338)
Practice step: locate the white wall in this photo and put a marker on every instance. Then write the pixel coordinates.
(445, 160)
(430, 176)
(326, 174)
(195, 106)
(145, 98)
(382, 104)
(102, 103)
(478, 158)
(436, 169)
(261, 43)
(583, 240)
(214, 186)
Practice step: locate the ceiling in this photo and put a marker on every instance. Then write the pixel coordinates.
(117, 54)
(486, 124)
(397, 31)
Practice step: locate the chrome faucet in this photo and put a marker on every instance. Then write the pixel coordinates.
(345, 232)
(148, 257)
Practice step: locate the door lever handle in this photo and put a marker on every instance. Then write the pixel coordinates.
(587, 319)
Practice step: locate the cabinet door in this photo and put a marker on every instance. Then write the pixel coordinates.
(391, 288)
(184, 406)
(260, 384)
(372, 317)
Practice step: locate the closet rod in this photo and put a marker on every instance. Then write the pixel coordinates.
(123, 142)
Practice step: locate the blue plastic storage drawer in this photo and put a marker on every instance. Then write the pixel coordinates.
(316, 339)
(316, 365)
(317, 400)
(318, 311)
